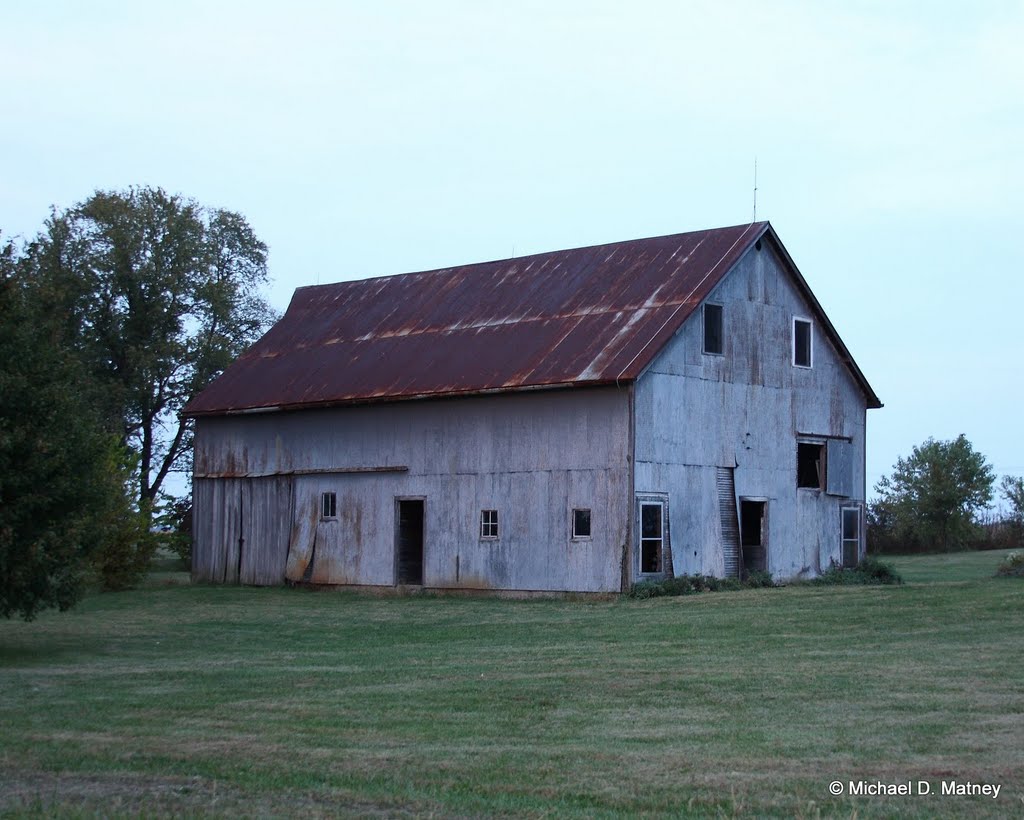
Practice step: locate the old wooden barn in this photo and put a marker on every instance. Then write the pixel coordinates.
(578, 420)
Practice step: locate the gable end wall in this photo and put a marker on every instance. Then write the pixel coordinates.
(697, 412)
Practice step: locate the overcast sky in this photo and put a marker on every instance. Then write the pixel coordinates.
(364, 139)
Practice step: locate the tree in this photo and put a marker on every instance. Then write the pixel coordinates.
(157, 295)
(61, 481)
(935, 493)
(1012, 488)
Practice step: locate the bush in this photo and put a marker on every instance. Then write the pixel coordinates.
(759, 579)
(1012, 566)
(868, 571)
(692, 584)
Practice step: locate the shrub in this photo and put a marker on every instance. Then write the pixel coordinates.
(758, 579)
(878, 572)
(1012, 566)
(692, 584)
(868, 571)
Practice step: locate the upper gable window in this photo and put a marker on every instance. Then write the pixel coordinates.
(803, 343)
(328, 505)
(714, 339)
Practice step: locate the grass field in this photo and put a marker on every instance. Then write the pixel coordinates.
(176, 699)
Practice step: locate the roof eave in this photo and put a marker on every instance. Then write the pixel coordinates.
(388, 399)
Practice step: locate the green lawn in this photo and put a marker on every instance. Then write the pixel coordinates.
(177, 699)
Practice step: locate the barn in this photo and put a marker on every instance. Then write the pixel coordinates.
(579, 420)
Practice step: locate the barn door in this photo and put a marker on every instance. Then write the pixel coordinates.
(242, 530)
(266, 516)
(409, 541)
(753, 535)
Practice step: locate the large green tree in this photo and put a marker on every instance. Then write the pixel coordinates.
(62, 476)
(156, 295)
(934, 494)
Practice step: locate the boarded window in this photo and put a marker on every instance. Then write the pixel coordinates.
(713, 329)
(810, 465)
(488, 524)
(802, 343)
(652, 537)
(329, 505)
(581, 523)
(851, 536)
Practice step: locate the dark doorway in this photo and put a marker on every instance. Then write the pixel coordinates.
(752, 536)
(409, 538)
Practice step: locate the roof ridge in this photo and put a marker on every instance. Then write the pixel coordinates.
(552, 252)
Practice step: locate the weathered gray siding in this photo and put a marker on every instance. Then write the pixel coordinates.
(532, 456)
(745, 409)
(239, 543)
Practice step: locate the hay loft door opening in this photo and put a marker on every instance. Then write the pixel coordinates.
(409, 541)
(753, 535)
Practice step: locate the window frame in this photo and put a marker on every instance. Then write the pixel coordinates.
(721, 329)
(488, 520)
(328, 511)
(858, 512)
(810, 342)
(664, 565)
(575, 535)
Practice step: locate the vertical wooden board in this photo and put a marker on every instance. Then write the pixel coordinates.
(266, 518)
(302, 535)
(228, 530)
(203, 492)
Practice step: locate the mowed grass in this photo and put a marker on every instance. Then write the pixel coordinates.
(180, 699)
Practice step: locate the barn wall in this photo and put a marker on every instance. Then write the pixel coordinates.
(697, 412)
(531, 456)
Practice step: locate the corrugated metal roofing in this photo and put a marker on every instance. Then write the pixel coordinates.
(575, 317)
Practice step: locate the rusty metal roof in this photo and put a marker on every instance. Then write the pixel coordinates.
(585, 316)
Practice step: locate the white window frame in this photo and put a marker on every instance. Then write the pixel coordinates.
(704, 329)
(489, 525)
(810, 342)
(328, 511)
(652, 500)
(572, 523)
(843, 540)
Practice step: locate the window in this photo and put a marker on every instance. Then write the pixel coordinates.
(802, 346)
(652, 537)
(329, 505)
(713, 336)
(580, 524)
(810, 465)
(851, 536)
(488, 524)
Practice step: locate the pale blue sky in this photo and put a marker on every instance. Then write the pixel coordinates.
(364, 139)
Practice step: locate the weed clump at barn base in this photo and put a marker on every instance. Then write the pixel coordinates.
(692, 584)
(869, 571)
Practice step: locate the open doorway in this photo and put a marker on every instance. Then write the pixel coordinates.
(754, 535)
(409, 541)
